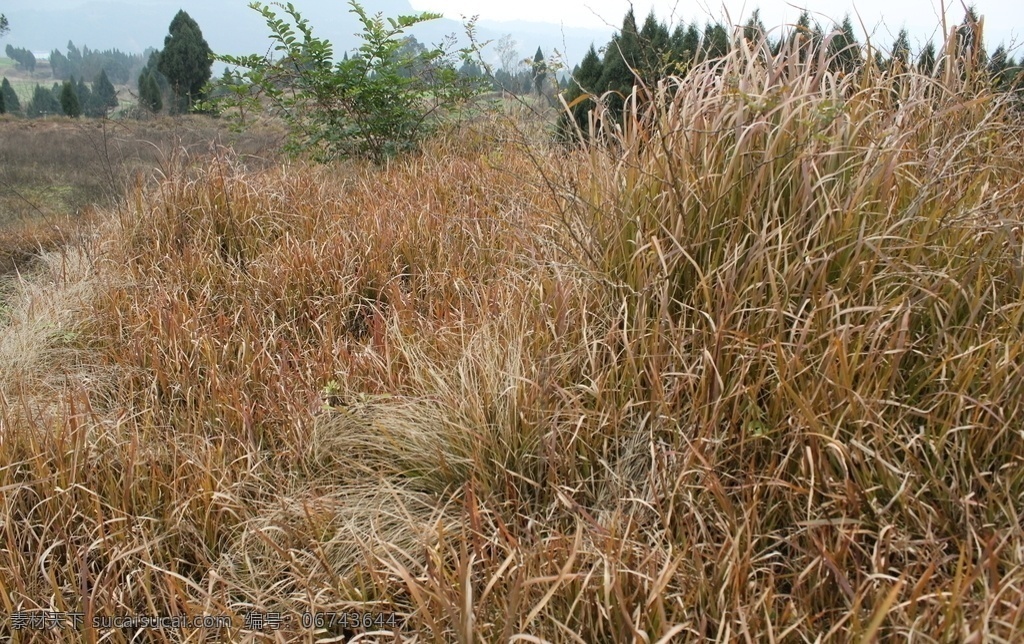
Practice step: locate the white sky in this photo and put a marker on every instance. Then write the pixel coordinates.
(1004, 19)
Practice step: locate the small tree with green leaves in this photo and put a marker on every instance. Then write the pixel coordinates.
(368, 105)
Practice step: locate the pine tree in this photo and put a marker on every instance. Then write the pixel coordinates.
(149, 93)
(843, 50)
(716, 41)
(540, 71)
(85, 97)
(153, 68)
(807, 37)
(471, 70)
(60, 66)
(900, 56)
(105, 94)
(585, 80)
(43, 103)
(999, 67)
(4, 25)
(11, 102)
(755, 30)
(26, 59)
(655, 45)
(3, 107)
(74, 56)
(969, 45)
(685, 47)
(926, 60)
(186, 61)
(755, 33)
(69, 100)
(620, 59)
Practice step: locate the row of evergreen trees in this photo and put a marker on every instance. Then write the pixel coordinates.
(70, 98)
(119, 66)
(25, 59)
(514, 76)
(529, 77)
(651, 51)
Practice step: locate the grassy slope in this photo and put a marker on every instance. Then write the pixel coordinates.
(755, 368)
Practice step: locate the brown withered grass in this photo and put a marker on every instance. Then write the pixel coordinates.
(55, 172)
(749, 369)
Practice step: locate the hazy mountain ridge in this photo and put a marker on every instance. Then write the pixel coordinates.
(231, 27)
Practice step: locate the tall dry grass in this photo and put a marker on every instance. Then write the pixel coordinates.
(750, 368)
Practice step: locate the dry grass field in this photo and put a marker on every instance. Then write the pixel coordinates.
(750, 369)
(56, 171)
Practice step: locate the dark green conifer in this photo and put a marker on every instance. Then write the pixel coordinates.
(620, 61)
(186, 61)
(843, 50)
(11, 102)
(149, 93)
(585, 82)
(69, 100)
(716, 42)
(43, 103)
(899, 58)
(655, 47)
(540, 71)
(104, 93)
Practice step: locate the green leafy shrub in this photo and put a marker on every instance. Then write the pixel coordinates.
(380, 101)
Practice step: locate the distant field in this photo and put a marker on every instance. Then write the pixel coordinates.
(53, 170)
(76, 163)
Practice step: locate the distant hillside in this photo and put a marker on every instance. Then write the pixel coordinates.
(231, 27)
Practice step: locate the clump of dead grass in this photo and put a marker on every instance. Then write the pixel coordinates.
(747, 367)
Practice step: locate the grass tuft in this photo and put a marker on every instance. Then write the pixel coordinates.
(748, 366)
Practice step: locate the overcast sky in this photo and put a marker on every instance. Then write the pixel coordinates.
(1004, 19)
